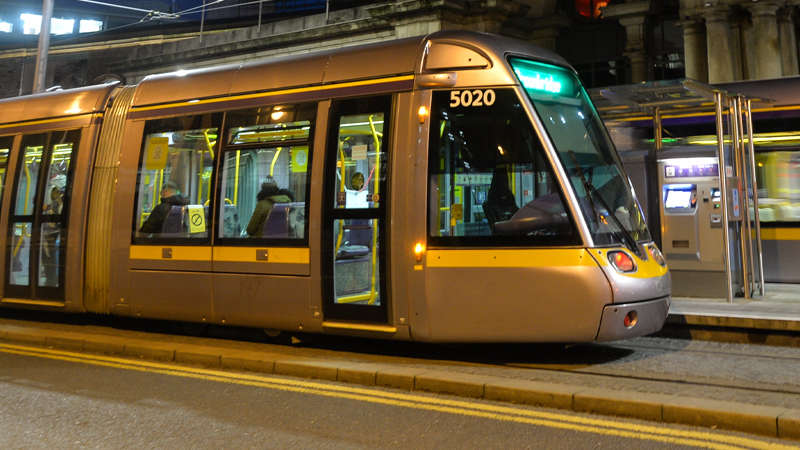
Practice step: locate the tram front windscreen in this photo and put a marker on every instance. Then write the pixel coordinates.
(585, 151)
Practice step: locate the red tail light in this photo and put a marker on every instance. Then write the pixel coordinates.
(621, 261)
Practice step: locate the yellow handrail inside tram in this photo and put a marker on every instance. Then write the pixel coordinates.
(274, 160)
(236, 179)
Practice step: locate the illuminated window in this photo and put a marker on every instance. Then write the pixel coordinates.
(90, 26)
(5, 27)
(590, 8)
(31, 23)
(61, 26)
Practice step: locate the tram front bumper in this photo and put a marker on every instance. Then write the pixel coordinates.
(628, 320)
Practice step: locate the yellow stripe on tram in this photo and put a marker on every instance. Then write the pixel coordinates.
(509, 258)
(780, 234)
(279, 92)
(512, 414)
(177, 252)
(281, 255)
(58, 119)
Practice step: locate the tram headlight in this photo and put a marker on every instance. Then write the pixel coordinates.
(621, 261)
(656, 254)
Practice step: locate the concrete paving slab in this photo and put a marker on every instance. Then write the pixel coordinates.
(789, 425)
(619, 403)
(721, 414)
(460, 384)
(531, 393)
(250, 361)
(305, 369)
(397, 377)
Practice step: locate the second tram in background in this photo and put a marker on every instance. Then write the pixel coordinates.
(452, 187)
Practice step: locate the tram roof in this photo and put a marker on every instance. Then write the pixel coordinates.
(68, 102)
(388, 58)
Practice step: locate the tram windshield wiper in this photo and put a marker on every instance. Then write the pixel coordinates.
(621, 233)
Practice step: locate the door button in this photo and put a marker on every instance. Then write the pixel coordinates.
(166, 253)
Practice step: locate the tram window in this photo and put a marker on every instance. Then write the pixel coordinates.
(264, 193)
(32, 149)
(176, 178)
(265, 173)
(360, 161)
(5, 149)
(490, 183)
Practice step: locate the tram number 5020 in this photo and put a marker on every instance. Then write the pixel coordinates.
(475, 97)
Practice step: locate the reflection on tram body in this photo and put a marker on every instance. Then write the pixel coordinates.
(778, 175)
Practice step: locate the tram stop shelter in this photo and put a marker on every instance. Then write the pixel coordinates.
(688, 150)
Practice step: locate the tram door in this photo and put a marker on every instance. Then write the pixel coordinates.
(354, 244)
(38, 222)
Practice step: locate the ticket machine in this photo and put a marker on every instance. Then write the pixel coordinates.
(691, 224)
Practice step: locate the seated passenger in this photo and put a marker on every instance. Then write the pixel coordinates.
(170, 196)
(268, 196)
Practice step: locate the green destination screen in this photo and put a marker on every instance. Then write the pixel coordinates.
(543, 78)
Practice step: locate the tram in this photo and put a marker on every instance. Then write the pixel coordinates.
(456, 187)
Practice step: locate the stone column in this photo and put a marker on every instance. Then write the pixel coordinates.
(721, 66)
(695, 59)
(767, 52)
(634, 47)
(546, 37)
(632, 16)
(788, 42)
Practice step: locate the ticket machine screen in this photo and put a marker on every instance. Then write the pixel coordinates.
(680, 196)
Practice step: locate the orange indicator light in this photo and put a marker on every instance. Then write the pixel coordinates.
(419, 249)
(423, 113)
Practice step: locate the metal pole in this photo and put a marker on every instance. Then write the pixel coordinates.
(259, 15)
(202, 19)
(653, 189)
(40, 75)
(741, 174)
(327, 10)
(723, 186)
(757, 221)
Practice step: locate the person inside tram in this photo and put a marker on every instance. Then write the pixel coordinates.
(51, 232)
(170, 196)
(357, 181)
(269, 195)
(500, 203)
(357, 194)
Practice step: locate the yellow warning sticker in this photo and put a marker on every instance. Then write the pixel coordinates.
(197, 219)
(156, 155)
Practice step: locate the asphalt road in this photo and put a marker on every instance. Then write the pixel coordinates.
(56, 399)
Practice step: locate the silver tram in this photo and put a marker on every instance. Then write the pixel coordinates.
(452, 187)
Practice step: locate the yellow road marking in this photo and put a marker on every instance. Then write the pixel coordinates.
(489, 411)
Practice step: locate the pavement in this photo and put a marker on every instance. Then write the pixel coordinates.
(671, 404)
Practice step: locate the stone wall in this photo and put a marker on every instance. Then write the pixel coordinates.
(730, 40)
(133, 58)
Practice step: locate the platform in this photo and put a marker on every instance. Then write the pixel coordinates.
(777, 311)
